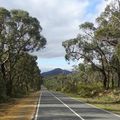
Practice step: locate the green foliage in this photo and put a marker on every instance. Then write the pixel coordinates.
(26, 75)
(118, 51)
(20, 33)
(83, 82)
(87, 25)
(98, 46)
(89, 90)
(99, 49)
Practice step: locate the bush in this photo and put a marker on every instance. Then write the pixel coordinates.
(90, 90)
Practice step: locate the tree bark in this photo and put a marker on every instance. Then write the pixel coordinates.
(105, 80)
(118, 79)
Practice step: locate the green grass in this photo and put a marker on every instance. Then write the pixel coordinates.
(109, 101)
(92, 93)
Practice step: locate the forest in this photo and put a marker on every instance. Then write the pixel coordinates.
(97, 49)
(20, 35)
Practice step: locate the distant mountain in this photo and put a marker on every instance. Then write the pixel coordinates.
(56, 71)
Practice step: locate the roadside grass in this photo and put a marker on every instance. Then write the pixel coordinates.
(107, 100)
(19, 108)
(92, 93)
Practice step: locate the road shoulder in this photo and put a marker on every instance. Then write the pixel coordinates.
(20, 108)
(100, 104)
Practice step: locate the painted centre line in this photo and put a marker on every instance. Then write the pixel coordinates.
(67, 107)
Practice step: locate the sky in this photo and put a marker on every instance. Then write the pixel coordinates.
(60, 20)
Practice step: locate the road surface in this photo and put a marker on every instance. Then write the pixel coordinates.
(57, 106)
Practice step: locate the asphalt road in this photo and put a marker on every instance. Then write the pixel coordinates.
(57, 106)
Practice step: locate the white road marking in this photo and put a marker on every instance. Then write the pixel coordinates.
(38, 106)
(103, 110)
(36, 115)
(67, 107)
(95, 107)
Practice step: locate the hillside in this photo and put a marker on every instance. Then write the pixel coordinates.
(56, 71)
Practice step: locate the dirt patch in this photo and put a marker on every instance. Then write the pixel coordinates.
(20, 108)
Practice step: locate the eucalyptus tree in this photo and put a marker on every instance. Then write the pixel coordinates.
(20, 32)
(99, 45)
(27, 75)
(109, 32)
(88, 48)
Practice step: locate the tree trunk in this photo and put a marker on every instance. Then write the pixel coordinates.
(108, 80)
(112, 82)
(9, 88)
(3, 78)
(7, 79)
(118, 79)
(105, 80)
(10, 80)
(3, 71)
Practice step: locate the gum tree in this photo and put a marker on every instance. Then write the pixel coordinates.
(20, 32)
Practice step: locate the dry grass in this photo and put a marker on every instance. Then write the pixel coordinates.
(115, 108)
(103, 103)
(20, 108)
(109, 100)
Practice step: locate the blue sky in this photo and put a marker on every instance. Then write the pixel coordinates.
(60, 20)
(57, 62)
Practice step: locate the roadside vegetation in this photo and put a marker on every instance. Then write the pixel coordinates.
(97, 48)
(20, 35)
(20, 108)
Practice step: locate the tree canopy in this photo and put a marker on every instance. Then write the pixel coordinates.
(99, 45)
(20, 34)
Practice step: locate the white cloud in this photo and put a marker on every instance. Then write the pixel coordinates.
(59, 18)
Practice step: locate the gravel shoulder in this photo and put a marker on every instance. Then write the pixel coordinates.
(20, 108)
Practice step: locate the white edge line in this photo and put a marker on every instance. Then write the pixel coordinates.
(38, 105)
(67, 107)
(96, 107)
